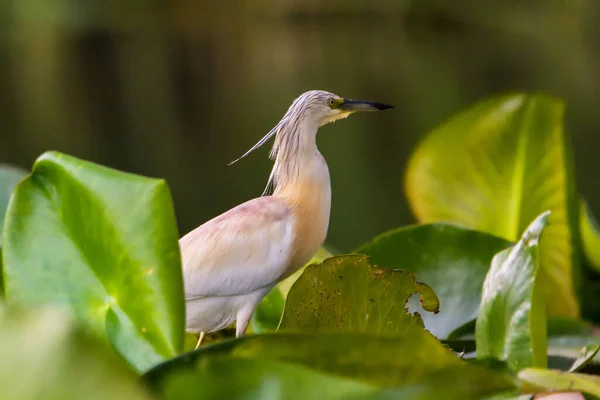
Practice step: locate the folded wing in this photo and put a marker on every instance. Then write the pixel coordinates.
(240, 251)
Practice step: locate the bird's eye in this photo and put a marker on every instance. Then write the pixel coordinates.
(331, 102)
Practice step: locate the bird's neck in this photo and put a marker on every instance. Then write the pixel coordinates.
(299, 166)
(302, 181)
(310, 180)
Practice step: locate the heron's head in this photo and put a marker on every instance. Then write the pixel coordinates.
(323, 107)
(311, 110)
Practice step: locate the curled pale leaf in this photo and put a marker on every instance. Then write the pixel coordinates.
(512, 321)
(586, 356)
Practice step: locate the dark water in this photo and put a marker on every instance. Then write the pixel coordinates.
(178, 89)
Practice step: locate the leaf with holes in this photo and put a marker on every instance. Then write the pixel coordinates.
(453, 261)
(512, 320)
(347, 293)
(494, 167)
(101, 244)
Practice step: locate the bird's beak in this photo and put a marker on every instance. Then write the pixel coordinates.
(351, 105)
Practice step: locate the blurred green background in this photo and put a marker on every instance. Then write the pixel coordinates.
(177, 89)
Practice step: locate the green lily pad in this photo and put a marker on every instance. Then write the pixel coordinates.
(222, 377)
(103, 245)
(496, 166)
(452, 260)
(347, 293)
(383, 361)
(46, 356)
(512, 321)
(253, 378)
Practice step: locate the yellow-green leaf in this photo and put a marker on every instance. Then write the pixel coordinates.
(586, 356)
(590, 235)
(494, 167)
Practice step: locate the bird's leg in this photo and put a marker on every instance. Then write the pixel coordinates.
(200, 340)
(242, 320)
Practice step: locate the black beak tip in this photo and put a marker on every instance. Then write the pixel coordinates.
(359, 105)
(382, 107)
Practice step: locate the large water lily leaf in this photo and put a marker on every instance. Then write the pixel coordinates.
(364, 357)
(103, 245)
(413, 360)
(46, 356)
(452, 260)
(254, 378)
(494, 168)
(222, 377)
(512, 320)
(347, 293)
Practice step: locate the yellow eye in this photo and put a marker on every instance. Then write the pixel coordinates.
(331, 102)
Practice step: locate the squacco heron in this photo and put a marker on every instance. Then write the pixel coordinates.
(232, 261)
